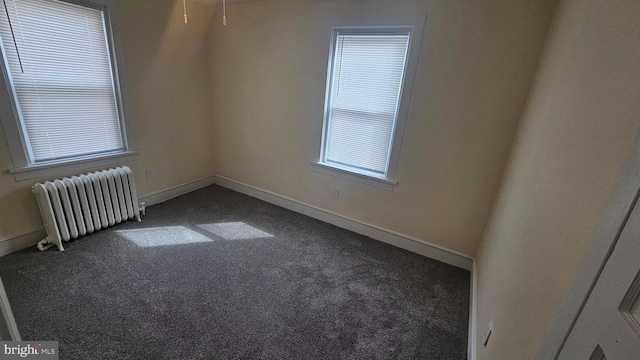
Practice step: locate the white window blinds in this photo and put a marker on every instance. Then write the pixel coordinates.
(366, 80)
(59, 62)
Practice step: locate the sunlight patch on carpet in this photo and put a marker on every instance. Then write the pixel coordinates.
(163, 236)
(234, 231)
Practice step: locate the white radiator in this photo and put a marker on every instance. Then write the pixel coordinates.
(76, 206)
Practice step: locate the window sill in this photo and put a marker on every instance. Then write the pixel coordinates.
(381, 183)
(52, 169)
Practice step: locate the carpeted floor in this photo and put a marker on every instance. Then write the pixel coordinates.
(219, 275)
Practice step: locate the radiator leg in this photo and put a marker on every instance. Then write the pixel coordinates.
(143, 210)
(44, 244)
(60, 248)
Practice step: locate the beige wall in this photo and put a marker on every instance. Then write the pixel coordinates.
(578, 129)
(257, 119)
(475, 68)
(170, 96)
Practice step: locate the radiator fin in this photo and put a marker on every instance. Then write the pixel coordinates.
(76, 206)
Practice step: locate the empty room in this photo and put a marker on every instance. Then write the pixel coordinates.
(319, 179)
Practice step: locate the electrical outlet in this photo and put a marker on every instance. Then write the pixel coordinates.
(149, 174)
(336, 192)
(487, 334)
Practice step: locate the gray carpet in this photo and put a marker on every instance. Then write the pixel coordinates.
(219, 275)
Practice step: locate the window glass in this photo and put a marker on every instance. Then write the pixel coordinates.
(59, 65)
(364, 89)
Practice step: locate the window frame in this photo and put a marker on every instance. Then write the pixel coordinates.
(13, 125)
(373, 25)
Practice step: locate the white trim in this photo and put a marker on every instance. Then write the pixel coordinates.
(175, 191)
(121, 81)
(416, 25)
(75, 165)
(8, 327)
(20, 242)
(473, 310)
(381, 183)
(10, 118)
(406, 242)
(611, 223)
(394, 238)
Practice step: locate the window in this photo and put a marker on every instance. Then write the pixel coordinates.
(63, 88)
(368, 86)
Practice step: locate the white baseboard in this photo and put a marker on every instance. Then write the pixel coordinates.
(473, 308)
(24, 241)
(406, 242)
(21, 242)
(172, 192)
(397, 239)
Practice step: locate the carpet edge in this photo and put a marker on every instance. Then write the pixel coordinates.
(20, 242)
(406, 242)
(178, 190)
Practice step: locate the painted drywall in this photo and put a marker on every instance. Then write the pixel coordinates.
(475, 68)
(170, 100)
(167, 66)
(578, 130)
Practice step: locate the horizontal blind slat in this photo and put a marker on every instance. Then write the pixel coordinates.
(66, 92)
(366, 79)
